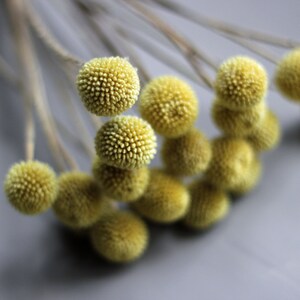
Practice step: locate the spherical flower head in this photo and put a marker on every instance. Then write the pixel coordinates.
(250, 181)
(241, 83)
(108, 86)
(209, 205)
(169, 105)
(267, 135)
(165, 200)
(120, 237)
(287, 77)
(79, 203)
(120, 184)
(31, 187)
(231, 160)
(188, 154)
(238, 123)
(126, 142)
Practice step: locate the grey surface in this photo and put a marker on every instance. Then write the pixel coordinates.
(253, 254)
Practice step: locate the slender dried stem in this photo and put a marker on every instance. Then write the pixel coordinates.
(184, 47)
(225, 27)
(29, 129)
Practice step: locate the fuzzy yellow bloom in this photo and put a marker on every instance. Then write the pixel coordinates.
(169, 105)
(108, 86)
(120, 184)
(126, 142)
(287, 76)
(120, 237)
(241, 83)
(165, 200)
(238, 123)
(231, 160)
(79, 203)
(186, 155)
(267, 135)
(31, 187)
(208, 206)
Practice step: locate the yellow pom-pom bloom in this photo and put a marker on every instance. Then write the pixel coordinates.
(31, 187)
(250, 181)
(287, 77)
(108, 86)
(126, 142)
(267, 135)
(241, 82)
(238, 123)
(120, 237)
(231, 160)
(120, 184)
(169, 105)
(79, 203)
(208, 206)
(188, 154)
(165, 200)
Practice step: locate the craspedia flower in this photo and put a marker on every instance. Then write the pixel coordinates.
(188, 154)
(231, 160)
(79, 203)
(108, 86)
(31, 187)
(238, 123)
(126, 142)
(120, 237)
(169, 105)
(120, 184)
(267, 135)
(241, 82)
(250, 181)
(287, 76)
(208, 206)
(165, 200)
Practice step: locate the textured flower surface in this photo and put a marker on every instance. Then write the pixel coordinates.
(108, 86)
(31, 187)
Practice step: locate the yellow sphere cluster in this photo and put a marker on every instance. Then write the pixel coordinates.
(241, 82)
(108, 86)
(186, 155)
(79, 203)
(238, 123)
(31, 187)
(287, 77)
(165, 200)
(267, 135)
(120, 237)
(208, 206)
(231, 160)
(169, 105)
(120, 184)
(250, 180)
(126, 142)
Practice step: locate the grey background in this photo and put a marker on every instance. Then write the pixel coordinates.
(253, 254)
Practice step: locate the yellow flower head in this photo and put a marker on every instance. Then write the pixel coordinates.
(31, 187)
(169, 105)
(120, 184)
(231, 160)
(79, 203)
(287, 77)
(267, 135)
(241, 83)
(165, 200)
(208, 206)
(238, 123)
(108, 86)
(126, 142)
(188, 154)
(120, 237)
